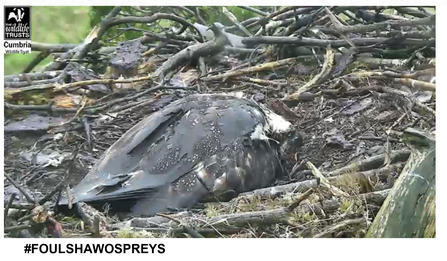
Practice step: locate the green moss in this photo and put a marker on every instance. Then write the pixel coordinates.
(212, 211)
(356, 66)
(297, 218)
(350, 206)
(130, 233)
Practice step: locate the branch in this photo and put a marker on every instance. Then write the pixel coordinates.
(235, 21)
(51, 48)
(333, 43)
(193, 53)
(381, 26)
(318, 79)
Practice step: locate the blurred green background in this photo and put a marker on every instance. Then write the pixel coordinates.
(51, 24)
(71, 24)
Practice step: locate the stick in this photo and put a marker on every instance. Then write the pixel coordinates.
(54, 191)
(381, 25)
(300, 199)
(187, 229)
(15, 228)
(339, 226)
(8, 205)
(235, 21)
(333, 43)
(28, 197)
(322, 76)
(336, 191)
(254, 10)
(253, 69)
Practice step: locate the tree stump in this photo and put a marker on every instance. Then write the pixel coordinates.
(409, 210)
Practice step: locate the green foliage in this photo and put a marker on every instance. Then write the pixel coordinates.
(121, 33)
(71, 24)
(213, 14)
(97, 13)
(51, 24)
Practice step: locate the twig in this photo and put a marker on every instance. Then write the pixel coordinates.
(338, 26)
(96, 230)
(371, 163)
(336, 191)
(333, 43)
(193, 53)
(15, 228)
(187, 229)
(69, 197)
(31, 76)
(339, 226)
(26, 217)
(60, 87)
(403, 78)
(272, 15)
(254, 10)
(51, 48)
(411, 97)
(300, 199)
(253, 69)
(8, 205)
(198, 17)
(381, 25)
(40, 57)
(26, 206)
(322, 76)
(51, 193)
(235, 21)
(24, 192)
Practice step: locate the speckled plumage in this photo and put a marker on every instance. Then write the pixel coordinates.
(197, 145)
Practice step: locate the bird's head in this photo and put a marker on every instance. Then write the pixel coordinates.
(291, 142)
(288, 137)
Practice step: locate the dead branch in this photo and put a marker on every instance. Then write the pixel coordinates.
(234, 20)
(333, 43)
(340, 226)
(381, 25)
(397, 77)
(51, 48)
(336, 191)
(322, 76)
(25, 193)
(91, 216)
(258, 68)
(193, 53)
(409, 210)
(8, 206)
(371, 163)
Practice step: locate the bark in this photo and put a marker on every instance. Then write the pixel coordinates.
(409, 210)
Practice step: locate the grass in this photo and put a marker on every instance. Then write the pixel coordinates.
(51, 24)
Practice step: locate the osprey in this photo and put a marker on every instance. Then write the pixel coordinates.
(201, 145)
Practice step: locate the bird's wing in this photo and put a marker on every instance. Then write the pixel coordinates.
(229, 158)
(120, 162)
(246, 165)
(167, 146)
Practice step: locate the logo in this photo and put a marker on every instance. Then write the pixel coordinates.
(19, 16)
(17, 29)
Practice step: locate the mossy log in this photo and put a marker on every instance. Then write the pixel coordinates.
(409, 210)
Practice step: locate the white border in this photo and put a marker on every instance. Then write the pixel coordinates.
(277, 249)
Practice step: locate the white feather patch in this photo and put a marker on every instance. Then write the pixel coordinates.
(259, 133)
(277, 123)
(238, 95)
